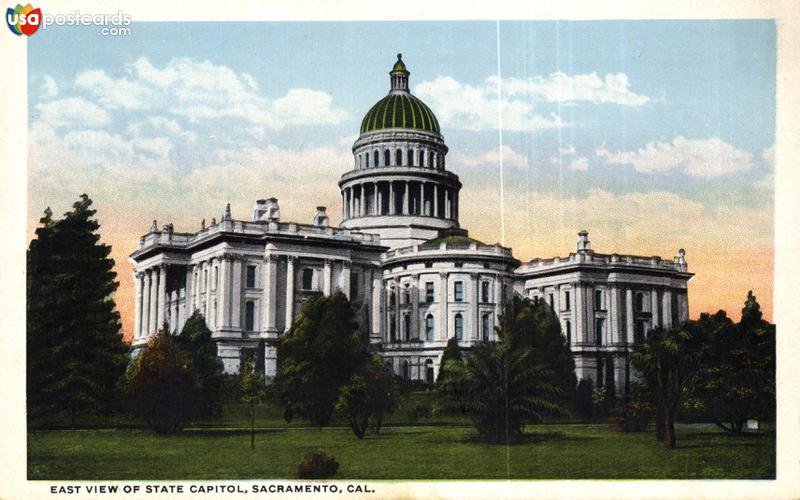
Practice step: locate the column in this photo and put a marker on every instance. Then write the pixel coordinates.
(422, 198)
(589, 304)
(667, 308)
(207, 275)
(236, 294)
(498, 297)
(145, 325)
(162, 296)
(446, 203)
(629, 314)
(350, 202)
(362, 203)
(579, 313)
(223, 300)
(137, 318)
(415, 334)
(327, 277)
(289, 290)
(346, 279)
(455, 205)
(189, 299)
(441, 332)
(153, 302)
(377, 300)
(613, 325)
(376, 201)
(173, 312)
(476, 288)
(391, 198)
(654, 308)
(269, 298)
(406, 210)
(435, 200)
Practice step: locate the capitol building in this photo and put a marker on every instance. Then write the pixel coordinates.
(413, 275)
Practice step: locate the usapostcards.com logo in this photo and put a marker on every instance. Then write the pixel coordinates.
(27, 20)
(23, 20)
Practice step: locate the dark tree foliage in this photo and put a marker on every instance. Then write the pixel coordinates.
(317, 356)
(195, 338)
(535, 326)
(371, 395)
(451, 352)
(738, 382)
(162, 384)
(76, 356)
(505, 385)
(670, 361)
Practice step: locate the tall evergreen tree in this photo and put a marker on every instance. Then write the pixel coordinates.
(317, 356)
(195, 338)
(75, 352)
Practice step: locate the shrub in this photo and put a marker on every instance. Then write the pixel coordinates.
(316, 465)
(631, 417)
(419, 411)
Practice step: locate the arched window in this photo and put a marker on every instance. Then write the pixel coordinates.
(429, 328)
(410, 157)
(249, 316)
(459, 326)
(387, 157)
(405, 369)
(406, 327)
(421, 158)
(569, 332)
(392, 329)
(431, 157)
(366, 157)
(486, 327)
(398, 157)
(429, 371)
(485, 291)
(391, 298)
(598, 332)
(407, 295)
(376, 157)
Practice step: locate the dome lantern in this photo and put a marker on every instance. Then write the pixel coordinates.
(399, 75)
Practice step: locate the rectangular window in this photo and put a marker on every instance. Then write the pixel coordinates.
(598, 334)
(551, 301)
(251, 276)
(566, 301)
(598, 300)
(308, 278)
(353, 286)
(429, 291)
(458, 291)
(485, 291)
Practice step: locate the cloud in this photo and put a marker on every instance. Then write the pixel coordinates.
(477, 108)
(581, 163)
(48, 88)
(70, 112)
(563, 88)
(694, 157)
(491, 158)
(201, 90)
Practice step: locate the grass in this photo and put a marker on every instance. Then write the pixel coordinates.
(555, 451)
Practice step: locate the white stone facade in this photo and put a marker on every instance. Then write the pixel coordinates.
(413, 275)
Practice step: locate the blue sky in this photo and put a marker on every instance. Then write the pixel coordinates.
(651, 134)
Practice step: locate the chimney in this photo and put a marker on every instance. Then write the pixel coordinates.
(266, 210)
(584, 245)
(321, 218)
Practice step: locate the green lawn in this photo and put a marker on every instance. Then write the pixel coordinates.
(572, 451)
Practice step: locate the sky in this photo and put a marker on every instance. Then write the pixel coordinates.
(651, 135)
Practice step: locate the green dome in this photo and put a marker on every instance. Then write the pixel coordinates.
(400, 110)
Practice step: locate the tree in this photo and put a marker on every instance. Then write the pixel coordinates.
(317, 356)
(452, 352)
(195, 338)
(161, 382)
(368, 398)
(502, 390)
(75, 352)
(669, 361)
(253, 390)
(738, 382)
(535, 326)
